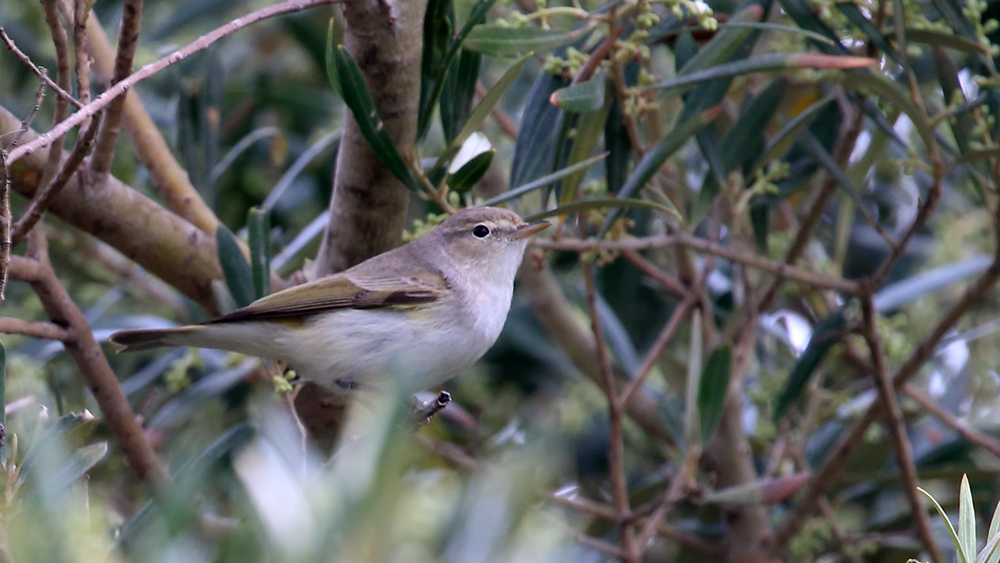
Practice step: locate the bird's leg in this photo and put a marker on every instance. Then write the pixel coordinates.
(424, 411)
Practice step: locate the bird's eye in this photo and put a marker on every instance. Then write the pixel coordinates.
(481, 231)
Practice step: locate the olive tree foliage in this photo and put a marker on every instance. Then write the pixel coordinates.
(763, 318)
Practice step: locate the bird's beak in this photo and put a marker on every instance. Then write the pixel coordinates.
(530, 229)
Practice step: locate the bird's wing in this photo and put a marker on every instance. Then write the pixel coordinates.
(342, 292)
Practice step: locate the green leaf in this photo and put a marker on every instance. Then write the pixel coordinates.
(619, 148)
(856, 17)
(894, 296)
(966, 518)
(792, 129)
(83, 460)
(544, 181)
(893, 94)
(582, 205)
(761, 63)
(68, 428)
(584, 97)
(457, 95)
(259, 230)
(235, 268)
(992, 554)
(589, 131)
(358, 99)
(535, 146)
(692, 387)
(939, 38)
(437, 38)
(802, 13)
(331, 61)
(725, 43)
(498, 41)
(824, 336)
(471, 172)
(482, 111)
(962, 558)
(713, 389)
(744, 141)
(659, 154)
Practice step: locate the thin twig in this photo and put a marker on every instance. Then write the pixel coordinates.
(81, 12)
(616, 446)
(5, 223)
(26, 122)
(48, 331)
(44, 196)
(666, 335)
(974, 436)
(128, 40)
(784, 270)
(63, 78)
(897, 428)
(37, 70)
(145, 72)
(87, 354)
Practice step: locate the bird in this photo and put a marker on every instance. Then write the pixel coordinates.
(412, 317)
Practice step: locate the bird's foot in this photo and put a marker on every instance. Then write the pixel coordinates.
(424, 411)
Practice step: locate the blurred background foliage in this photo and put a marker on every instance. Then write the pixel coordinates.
(742, 154)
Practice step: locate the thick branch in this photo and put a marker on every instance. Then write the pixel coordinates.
(159, 241)
(368, 206)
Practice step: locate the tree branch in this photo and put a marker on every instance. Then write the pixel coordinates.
(368, 205)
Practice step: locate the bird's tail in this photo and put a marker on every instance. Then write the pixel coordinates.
(150, 338)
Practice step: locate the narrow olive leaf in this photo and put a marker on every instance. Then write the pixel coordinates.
(239, 279)
(259, 230)
(584, 97)
(937, 38)
(761, 491)
(856, 17)
(966, 518)
(824, 336)
(589, 131)
(724, 44)
(815, 148)
(83, 460)
(443, 66)
(801, 11)
(68, 425)
(762, 63)
(962, 558)
(471, 172)
(544, 181)
(783, 140)
(482, 110)
(764, 26)
(659, 154)
(692, 387)
(894, 94)
(358, 99)
(992, 554)
(954, 13)
(457, 95)
(713, 390)
(498, 41)
(539, 125)
(331, 61)
(744, 141)
(582, 205)
(894, 296)
(436, 40)
(951, 87)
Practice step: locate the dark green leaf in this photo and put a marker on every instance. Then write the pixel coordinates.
(331, 61)
(713, 389)
(762, 63)
(457, 95)
(471, 172)
(856, 17)
(725, 43)
(659, 154)
(892, 93)
(259, 230)
(498, 41)
(937, 38)
(745, 140)
(482, 110)
(534, 149)
(544, 181)
(619, 148)
(824, 336)
(438, 19)
(239, 279)
(584, 97)
(588, 133)
(792, 129)
(802, 13)
(358, 99)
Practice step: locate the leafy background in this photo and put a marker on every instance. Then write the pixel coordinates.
(739, 135)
